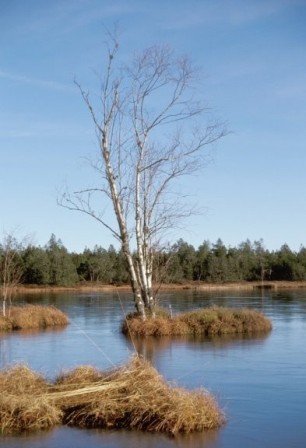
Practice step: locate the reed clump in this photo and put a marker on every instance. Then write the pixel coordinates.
(23, 402)
(32, 317)
(207, 321)
(136, 397)
(133, 396)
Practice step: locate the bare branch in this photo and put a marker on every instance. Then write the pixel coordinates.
(77, 203)
(152, 129)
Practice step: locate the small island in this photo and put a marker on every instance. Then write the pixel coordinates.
(206, 321)
(133, 396)
(29, 317)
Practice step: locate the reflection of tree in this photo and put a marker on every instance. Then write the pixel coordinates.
(149, 347)
(4, 355)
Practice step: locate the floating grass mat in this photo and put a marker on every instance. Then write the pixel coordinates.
(207, 321)
(133, 396)
(32, 317)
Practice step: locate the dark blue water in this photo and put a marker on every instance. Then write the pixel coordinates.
(260, 382)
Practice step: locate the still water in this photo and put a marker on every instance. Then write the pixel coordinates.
(260, 382)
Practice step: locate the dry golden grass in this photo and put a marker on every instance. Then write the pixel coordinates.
(23, 403)
(79, 376)
(20, 380)
(133, 396)
(31, 317)
(207, 321)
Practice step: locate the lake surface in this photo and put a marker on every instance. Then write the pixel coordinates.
(260, 382)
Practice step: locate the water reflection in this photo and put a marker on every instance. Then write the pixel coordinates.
(25, 337)
(260, 379)
(62, 437)
(34, 332)
(150, 347)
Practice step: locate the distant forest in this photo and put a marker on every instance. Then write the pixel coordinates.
(178, 263)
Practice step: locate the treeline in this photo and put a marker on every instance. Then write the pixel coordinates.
(179, 263)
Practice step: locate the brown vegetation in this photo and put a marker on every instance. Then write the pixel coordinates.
(31, 317)
(208, 321)
(197, 286)
(134, 396)
(23, 402)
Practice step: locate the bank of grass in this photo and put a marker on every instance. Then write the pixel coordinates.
(32, 317)
(207, 321)
(133, 396)
(195, 286)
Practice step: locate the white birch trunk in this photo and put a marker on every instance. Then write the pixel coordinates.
(143, 253)
(139, 238)
(139, 163)
(4, 306)
(138, 300)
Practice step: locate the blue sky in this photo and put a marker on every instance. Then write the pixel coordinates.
(252, 56)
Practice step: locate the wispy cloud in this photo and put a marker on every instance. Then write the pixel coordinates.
(231, 12)
(29, 125)
(43, 83)
(65, 16)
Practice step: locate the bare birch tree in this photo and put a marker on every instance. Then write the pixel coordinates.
(10, 269)
(151, 131)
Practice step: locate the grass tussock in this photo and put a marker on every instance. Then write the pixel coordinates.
(208, 321)
(32, 317)
(23, 403)
(133, 396)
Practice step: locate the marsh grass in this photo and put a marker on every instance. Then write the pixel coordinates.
(133, 396)
(32, 317)
(23, 403)
(207, 321)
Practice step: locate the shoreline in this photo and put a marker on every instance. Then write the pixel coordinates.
(195, 286)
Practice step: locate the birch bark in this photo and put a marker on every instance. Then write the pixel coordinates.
(151, 132)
